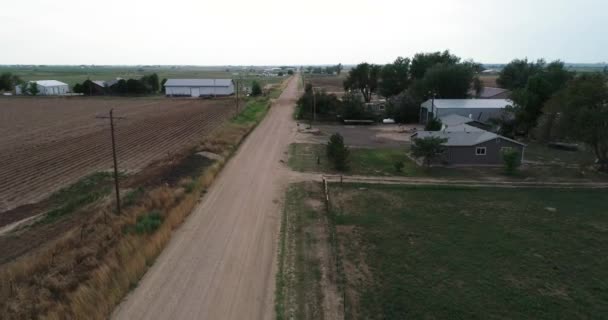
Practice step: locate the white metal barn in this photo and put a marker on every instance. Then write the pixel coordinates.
(475, 109)
(48, 88)
(199, 87)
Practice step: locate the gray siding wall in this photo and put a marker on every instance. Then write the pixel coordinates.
(467, 155)
(204, 91)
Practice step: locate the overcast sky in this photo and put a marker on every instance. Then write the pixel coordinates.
(270, 32)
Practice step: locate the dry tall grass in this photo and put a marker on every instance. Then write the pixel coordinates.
(88, 270)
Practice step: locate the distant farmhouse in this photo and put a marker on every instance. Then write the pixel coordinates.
(199, 87)
(47, 88)
(470, 145)
(476, 109)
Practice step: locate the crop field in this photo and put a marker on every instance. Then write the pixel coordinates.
(433, 252)
(49, 143)
(332, 84)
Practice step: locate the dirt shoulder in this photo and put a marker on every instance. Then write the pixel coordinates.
(220, 264)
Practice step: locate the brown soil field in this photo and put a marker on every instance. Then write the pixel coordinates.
(489, 81)
(49, 143)
(332, 84)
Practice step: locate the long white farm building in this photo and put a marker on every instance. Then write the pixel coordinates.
(47, 88)
(199, 87)
(476, 109)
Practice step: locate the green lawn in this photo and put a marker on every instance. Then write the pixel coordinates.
(463, 253)
(542, 153)
(255, 109)
(381, 162)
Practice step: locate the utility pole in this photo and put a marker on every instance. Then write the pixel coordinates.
(237, 96)
(116, 185)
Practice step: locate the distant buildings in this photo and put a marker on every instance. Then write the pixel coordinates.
(199, 87)
(46, 88)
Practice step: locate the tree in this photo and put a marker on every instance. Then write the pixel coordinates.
(364, 77)
(280, 73)
(353, 108)
(290, 72)
(25, 88)
(529, 101)
(516, 73)
(403, 108)
(447, 81)
(33, 88)
(339, 68)
(256, 89)
(582, 109)
(9, 81)
(78, 88)
(428, 148)
(434, 124)
(511, 160)
(162, 84)
(394, 77)
(424, 61)
(337, 152)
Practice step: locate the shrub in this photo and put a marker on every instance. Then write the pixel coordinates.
(256, 89)
(148, 223)
(337, 152)
(433, 124)
(399, 166)
(511, 160)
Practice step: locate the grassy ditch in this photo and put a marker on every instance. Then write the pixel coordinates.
(87, 271)
(298, 292)
(438, 252)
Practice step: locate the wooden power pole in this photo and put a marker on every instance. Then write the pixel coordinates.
(116, 184)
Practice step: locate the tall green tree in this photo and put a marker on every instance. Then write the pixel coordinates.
(9, 81)
(256, 89)
(403, 108)
(428, 148)
(516, 73)
(582, 113)
(337, 152)
(364, 78)
(447, 81)
(424, 61)
(339, 68)
(394, 77)
(353, 108)
(33, 89)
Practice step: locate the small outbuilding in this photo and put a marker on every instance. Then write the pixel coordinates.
(476, 109)
(199, 87)
(47, 88)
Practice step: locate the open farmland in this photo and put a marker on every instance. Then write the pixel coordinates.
(331, 84)
(48, 143)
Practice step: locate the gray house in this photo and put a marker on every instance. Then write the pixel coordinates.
(199, 87)
(468, 145)
(475, 109)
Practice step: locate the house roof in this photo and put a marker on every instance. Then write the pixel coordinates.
(49, 83)
(198, 83)
(100, 83)
(454, 120)
(467, 103)
(463, 135)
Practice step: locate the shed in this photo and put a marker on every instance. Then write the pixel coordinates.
(468, 145)
(199, 87)
(476, 109)
(47, 88)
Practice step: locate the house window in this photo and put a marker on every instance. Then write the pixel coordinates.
(480, 151)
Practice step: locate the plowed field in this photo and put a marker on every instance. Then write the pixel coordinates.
(48, 143)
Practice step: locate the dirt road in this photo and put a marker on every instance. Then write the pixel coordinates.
(221, 264)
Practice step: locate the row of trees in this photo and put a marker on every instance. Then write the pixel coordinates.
(328, 106)
(148, 84)
(438, 73)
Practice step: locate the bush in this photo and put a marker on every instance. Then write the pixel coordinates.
(256, 89)
(148, 223)
(511, 160)
(433, 124)
(337, 152)
(399, 166)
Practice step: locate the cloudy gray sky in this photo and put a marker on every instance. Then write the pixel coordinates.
(263, 32)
